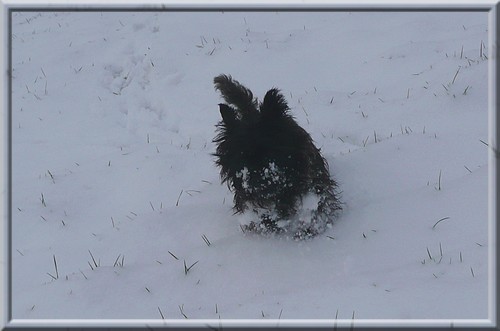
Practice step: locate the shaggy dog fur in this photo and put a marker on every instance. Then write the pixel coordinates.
(271, 164)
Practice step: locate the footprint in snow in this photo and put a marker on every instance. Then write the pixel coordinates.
(175, 79)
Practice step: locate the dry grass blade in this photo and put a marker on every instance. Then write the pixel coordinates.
(116, 261)
(83, 274)
(51, 176)
(442, 219)
(175, 257)
(456, 74)
(177, 203)
(204, 237)
(161, 314)
(186, 269)
(181, 308)
(93, 260)
(55, 265)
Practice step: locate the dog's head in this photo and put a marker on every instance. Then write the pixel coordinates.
(251, 133)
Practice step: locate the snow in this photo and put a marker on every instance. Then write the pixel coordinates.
(113, 181)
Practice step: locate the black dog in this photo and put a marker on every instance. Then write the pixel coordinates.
(271, 164)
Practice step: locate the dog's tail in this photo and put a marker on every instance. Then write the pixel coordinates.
(236, 94)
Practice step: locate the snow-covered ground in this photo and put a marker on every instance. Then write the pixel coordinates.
(118, 211)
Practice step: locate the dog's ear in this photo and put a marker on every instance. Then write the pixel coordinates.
(274, 104)
(228, 115)
(236, 94)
